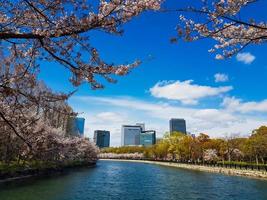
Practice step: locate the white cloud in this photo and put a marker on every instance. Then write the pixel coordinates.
(238, 105)
(185, 91)
(214, 115)
(221, 77)
(109, 116)
(156, 115)
(246, 57)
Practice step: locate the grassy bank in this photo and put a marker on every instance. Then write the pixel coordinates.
(222, 170)
(13, 171)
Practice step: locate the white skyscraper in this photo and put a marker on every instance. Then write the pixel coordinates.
(142, 125)
(130, 135)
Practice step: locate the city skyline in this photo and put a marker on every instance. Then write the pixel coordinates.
(212, 124)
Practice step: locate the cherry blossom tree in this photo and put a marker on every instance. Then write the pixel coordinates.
(210, 155)
(33, 120)
(26, 105)
(51, 146)
(221, 20)
(58, 31)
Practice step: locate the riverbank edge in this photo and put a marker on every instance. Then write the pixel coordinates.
(220, 170)
(42, 172)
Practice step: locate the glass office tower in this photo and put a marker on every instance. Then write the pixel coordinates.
(148, 138)
(75, 126)
(102, 138)
(177, 125)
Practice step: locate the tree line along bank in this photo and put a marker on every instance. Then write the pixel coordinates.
(188, 148)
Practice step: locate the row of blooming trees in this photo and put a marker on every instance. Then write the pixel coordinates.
(33, 121)
(135, 156)
(186, 148)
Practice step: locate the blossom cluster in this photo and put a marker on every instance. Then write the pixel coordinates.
(222, 24)
(58, 31)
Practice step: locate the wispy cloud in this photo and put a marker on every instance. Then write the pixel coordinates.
(185, 91)
(109, 117)
(246, 57)
(219, 77)
(238, 105)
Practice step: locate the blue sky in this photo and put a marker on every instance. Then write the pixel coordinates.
(175, 80)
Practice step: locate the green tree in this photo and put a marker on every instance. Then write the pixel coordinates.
(258, 144)
(203, 141)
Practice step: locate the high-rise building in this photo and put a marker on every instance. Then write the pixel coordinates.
(177, 125)
(102, 138)
(130, 135)
(142, 126)
(148, 138)
(75, 126)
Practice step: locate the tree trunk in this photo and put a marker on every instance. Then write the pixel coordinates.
(229, 157)
(262, 160)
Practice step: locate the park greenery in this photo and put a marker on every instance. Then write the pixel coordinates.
(201, 149)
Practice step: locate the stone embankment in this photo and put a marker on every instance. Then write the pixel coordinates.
(222, 170)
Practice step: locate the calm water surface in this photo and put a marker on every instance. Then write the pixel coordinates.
(135, 181)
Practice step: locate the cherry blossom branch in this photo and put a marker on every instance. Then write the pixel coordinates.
(14, 129)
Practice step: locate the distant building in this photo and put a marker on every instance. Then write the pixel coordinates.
(75, 126)
(102, 138)
(142, 126)
(148, 138)
(178, 125)
(134, 135)
(130, 135)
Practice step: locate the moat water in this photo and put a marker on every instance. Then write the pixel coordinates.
(135, 181)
